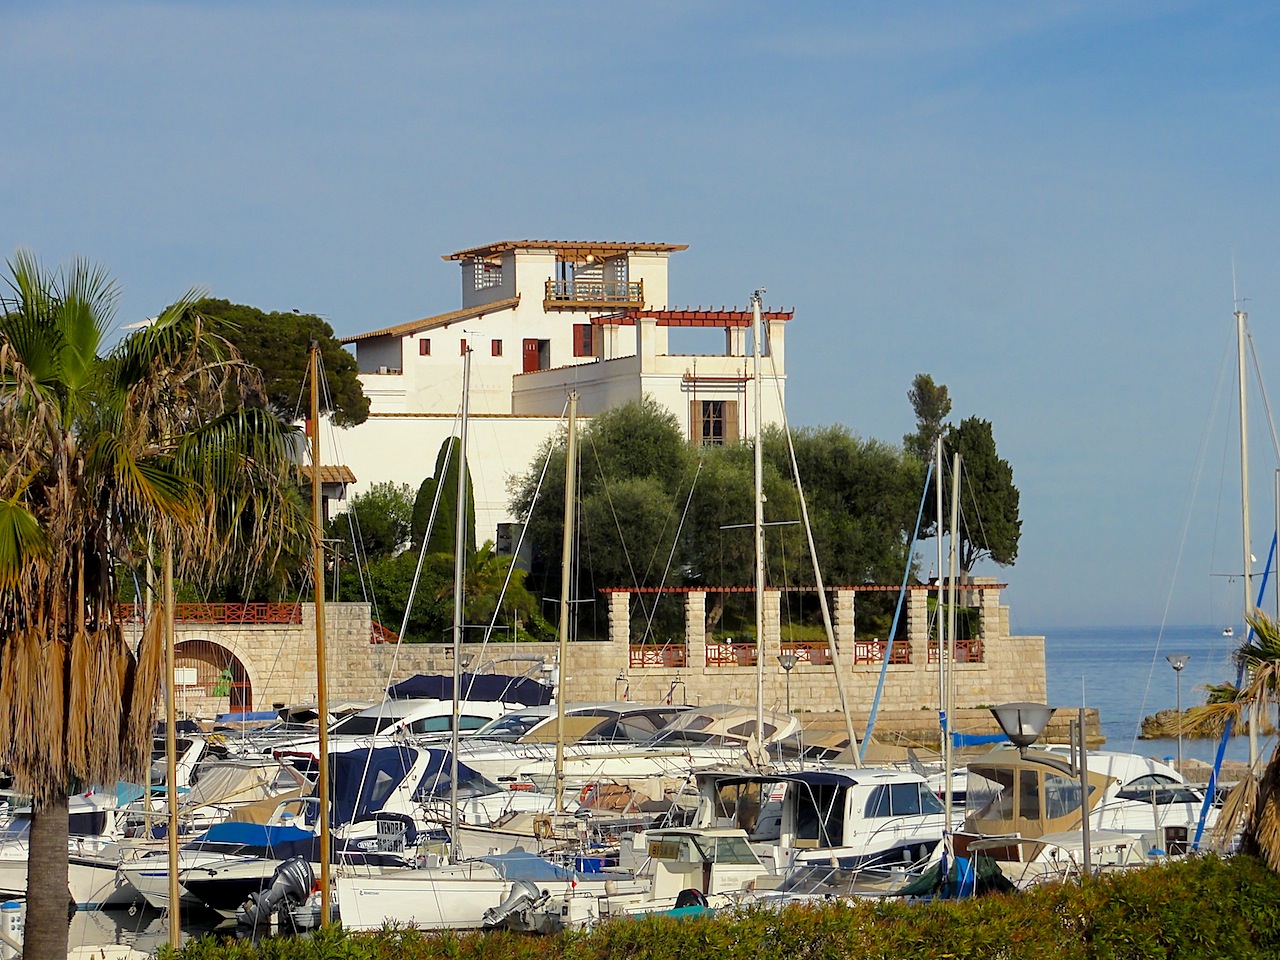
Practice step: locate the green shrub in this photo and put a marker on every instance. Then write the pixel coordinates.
(1205, 907)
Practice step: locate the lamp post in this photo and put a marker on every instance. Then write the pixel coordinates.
(788, 662)
(1178, 661)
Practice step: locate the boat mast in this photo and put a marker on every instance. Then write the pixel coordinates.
(942, 600)
(950, 700)
(322, 680)
(759, 517)
(1241, 321)
(566, 569)
(171, 747)
(459, 572)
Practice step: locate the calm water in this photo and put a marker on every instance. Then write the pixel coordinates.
(1122, 671)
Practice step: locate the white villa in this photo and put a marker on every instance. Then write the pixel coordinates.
(542, 317)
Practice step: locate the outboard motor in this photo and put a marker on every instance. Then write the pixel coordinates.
(290, 886)
(514, 911)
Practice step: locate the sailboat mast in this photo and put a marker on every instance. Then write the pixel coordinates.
(1242, 319)
(566, 570)
(758, 526)
(171, 747)
(950, 699)
(459, 573)
(322, 680)
(942, 600)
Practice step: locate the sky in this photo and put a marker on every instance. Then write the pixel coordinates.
(1051, 208)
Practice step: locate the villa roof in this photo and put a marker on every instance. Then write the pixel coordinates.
(569, 250)
(689, 317)
(439, 320)
(330, 473)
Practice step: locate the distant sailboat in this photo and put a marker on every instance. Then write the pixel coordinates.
(1228, 632)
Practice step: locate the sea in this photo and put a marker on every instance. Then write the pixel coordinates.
(1123, 672)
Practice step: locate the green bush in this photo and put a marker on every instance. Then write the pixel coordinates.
(1205, 907)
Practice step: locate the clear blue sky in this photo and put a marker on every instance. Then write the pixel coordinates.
(1037, 203)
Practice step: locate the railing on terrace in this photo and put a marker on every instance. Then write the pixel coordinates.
(872, 651)
(731, 654)
(659, 655)
(807, 651)
(247, 613)
(381, 634)
(594, 293)
(967, 651)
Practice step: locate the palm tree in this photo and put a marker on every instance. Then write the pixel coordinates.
(161, 439)
(1252, 808)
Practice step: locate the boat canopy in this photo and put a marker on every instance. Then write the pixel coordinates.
(475, 686)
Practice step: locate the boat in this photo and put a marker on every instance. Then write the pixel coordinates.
(853, 818)
(1016, 795)
(94, 836)
(1228, 632)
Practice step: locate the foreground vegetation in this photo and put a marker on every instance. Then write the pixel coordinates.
(1206, 907)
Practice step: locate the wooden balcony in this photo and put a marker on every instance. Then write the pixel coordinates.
(219, 612)
(731, 654)
(659, 655)
(808, 652)
(967, 651)
(604, 294)
(872, 651)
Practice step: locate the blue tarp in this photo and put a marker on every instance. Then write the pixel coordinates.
(252, 834)
(247, 717)
(522, 865)
(475, 686)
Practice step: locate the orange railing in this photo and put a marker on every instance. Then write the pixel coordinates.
(967, 651)
(807, 652)
(872, 651)
(381, 634)
(731, 654)
(220, 612)
(655, 655)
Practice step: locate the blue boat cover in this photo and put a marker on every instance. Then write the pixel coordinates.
(475, 686)
(364, 779)
(522, 865)
(252, 834)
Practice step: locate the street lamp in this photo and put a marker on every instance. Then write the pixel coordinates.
(788, 662)
(1178, 661)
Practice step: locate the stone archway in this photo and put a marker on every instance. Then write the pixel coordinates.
(209, 680)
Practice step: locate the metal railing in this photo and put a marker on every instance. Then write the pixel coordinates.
(594, 292)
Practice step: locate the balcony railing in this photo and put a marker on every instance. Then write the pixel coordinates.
(267, 613)
(655, 655)
(967, 651)
(806, 652)
(872, 651)
(731, 654)
(593, 293)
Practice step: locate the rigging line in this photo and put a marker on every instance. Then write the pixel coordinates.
(622, 540)
(893, 629)
(1174, 564)
(675, 544)
(1262, 390)
(524, 529)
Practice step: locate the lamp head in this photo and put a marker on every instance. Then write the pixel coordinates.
(1023, 723)
(788, 661)
(1178, 660)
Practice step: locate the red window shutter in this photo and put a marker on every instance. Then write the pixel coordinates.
(424, 347)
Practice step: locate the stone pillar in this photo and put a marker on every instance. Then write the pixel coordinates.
(620, 618)
(842, 621)
(735, 341)
(918, 625)
(695, 628)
